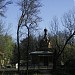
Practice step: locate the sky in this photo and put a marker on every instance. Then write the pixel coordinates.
(49, 9)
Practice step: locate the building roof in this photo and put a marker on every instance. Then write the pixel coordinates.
(44, 46)
(41, 53)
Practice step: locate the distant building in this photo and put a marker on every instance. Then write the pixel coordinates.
(44, 54)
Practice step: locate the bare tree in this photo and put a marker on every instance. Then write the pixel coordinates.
(68, 21)
(29, 18)
(3, 4)
(58, 38)
(54, 25)
(1, 27)
(54, 29)
(30, 11)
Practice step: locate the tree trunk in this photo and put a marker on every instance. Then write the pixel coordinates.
(18, 51)
(28, 52)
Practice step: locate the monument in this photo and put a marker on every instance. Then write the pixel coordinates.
(43, 56)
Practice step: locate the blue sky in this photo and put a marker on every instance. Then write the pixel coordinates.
(49, 9)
